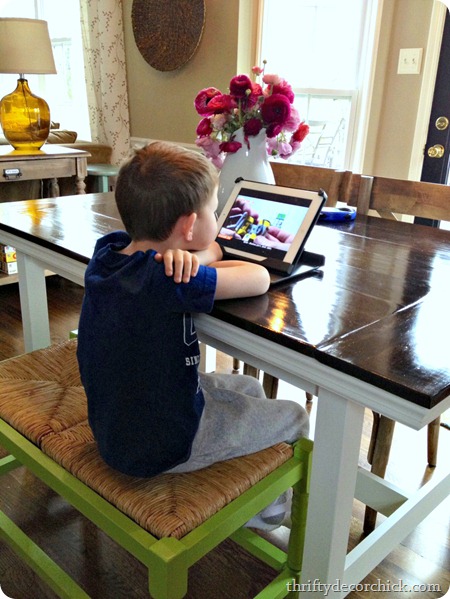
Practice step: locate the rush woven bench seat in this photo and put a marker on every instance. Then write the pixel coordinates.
(169, 521)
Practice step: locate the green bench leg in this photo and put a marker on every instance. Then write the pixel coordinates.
(8, 463)
(40, 562)
(300, 507)
(168, 573)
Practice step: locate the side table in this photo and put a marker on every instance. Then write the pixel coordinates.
(50, 162)
(104, 175)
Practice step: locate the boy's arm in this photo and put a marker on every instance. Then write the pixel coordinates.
(183, 264)
(234, 277)
(179, 264)
(213, 253)
(240, 279)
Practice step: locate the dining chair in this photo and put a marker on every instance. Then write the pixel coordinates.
(303, 176)
(395, 199)
(167, 522)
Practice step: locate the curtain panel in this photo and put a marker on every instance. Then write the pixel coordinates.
(106, 78)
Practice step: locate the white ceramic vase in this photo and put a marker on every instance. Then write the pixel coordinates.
(250, 163)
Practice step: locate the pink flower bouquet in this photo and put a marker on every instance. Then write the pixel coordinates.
(252, 107)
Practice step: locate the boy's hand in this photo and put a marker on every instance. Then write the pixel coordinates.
(180, 264)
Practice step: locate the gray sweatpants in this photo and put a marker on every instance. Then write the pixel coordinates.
(238, 420)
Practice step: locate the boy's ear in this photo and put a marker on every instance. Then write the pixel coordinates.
(187, 225)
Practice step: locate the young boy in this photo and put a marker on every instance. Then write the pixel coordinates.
(149, 408)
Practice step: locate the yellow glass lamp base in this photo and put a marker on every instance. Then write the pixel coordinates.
(25, 118)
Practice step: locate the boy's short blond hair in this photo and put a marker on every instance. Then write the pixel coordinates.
(160, 183)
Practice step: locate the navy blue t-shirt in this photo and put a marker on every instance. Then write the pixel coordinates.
(138, 355)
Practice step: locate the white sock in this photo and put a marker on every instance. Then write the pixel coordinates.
(274, 515)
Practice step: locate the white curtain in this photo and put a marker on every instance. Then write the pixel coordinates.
(106, 80)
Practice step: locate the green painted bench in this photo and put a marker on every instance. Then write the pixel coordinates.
(167, 522)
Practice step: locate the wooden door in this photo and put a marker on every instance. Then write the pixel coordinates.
(436, 161)
(437, 149)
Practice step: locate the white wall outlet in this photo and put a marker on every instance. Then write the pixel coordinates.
(410, 61)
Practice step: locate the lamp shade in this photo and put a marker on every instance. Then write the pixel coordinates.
(25, 47)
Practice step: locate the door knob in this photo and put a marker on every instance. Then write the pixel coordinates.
(436, 151)
(442, 123)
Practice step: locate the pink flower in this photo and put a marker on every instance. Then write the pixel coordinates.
(276, 109)
(293, 121)
(301, 133)
(284, 88)
(209, 146)
(253, 97)
(203, 98)
(204, 127)
(218, 121)
(295, 145)
(218, 160)
(230, 146)
(221, 103)
(274, 129)
(239, 86)
(272, 145)
(252, 107)
(252, 127)
(276, 147)
(271, 79)
(284, 149)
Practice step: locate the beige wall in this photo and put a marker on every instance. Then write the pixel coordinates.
(405, 24)
(161, 104)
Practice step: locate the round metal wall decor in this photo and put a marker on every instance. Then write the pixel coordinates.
(167, 32)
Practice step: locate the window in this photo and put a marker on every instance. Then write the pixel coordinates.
(319, 47)
(65, 92)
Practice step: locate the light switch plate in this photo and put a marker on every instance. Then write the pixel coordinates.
(410, 61)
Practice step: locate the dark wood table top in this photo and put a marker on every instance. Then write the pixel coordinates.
(377, 310)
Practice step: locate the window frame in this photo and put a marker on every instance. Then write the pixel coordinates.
(43, 86)
(360, 96)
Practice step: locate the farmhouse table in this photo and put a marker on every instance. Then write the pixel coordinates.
(370, 329)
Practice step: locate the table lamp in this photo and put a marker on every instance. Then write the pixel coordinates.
(25, 47)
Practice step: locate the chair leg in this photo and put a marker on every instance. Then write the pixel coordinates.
(168, 571)
(270, 383)
(270, 386)
(380, 457)
(251, 371)
(373, 436)
(236, 364)
(433, 439)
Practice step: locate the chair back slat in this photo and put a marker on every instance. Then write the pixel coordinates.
(303, 176)
(356, 189)
(391, 197)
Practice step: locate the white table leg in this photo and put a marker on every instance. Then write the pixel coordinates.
(33, 303)
(337, 441)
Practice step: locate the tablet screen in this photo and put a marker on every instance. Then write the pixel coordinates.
(267, 221)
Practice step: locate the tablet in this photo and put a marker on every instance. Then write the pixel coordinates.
(268, 224)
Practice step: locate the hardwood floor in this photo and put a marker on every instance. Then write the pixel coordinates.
(228, 572)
